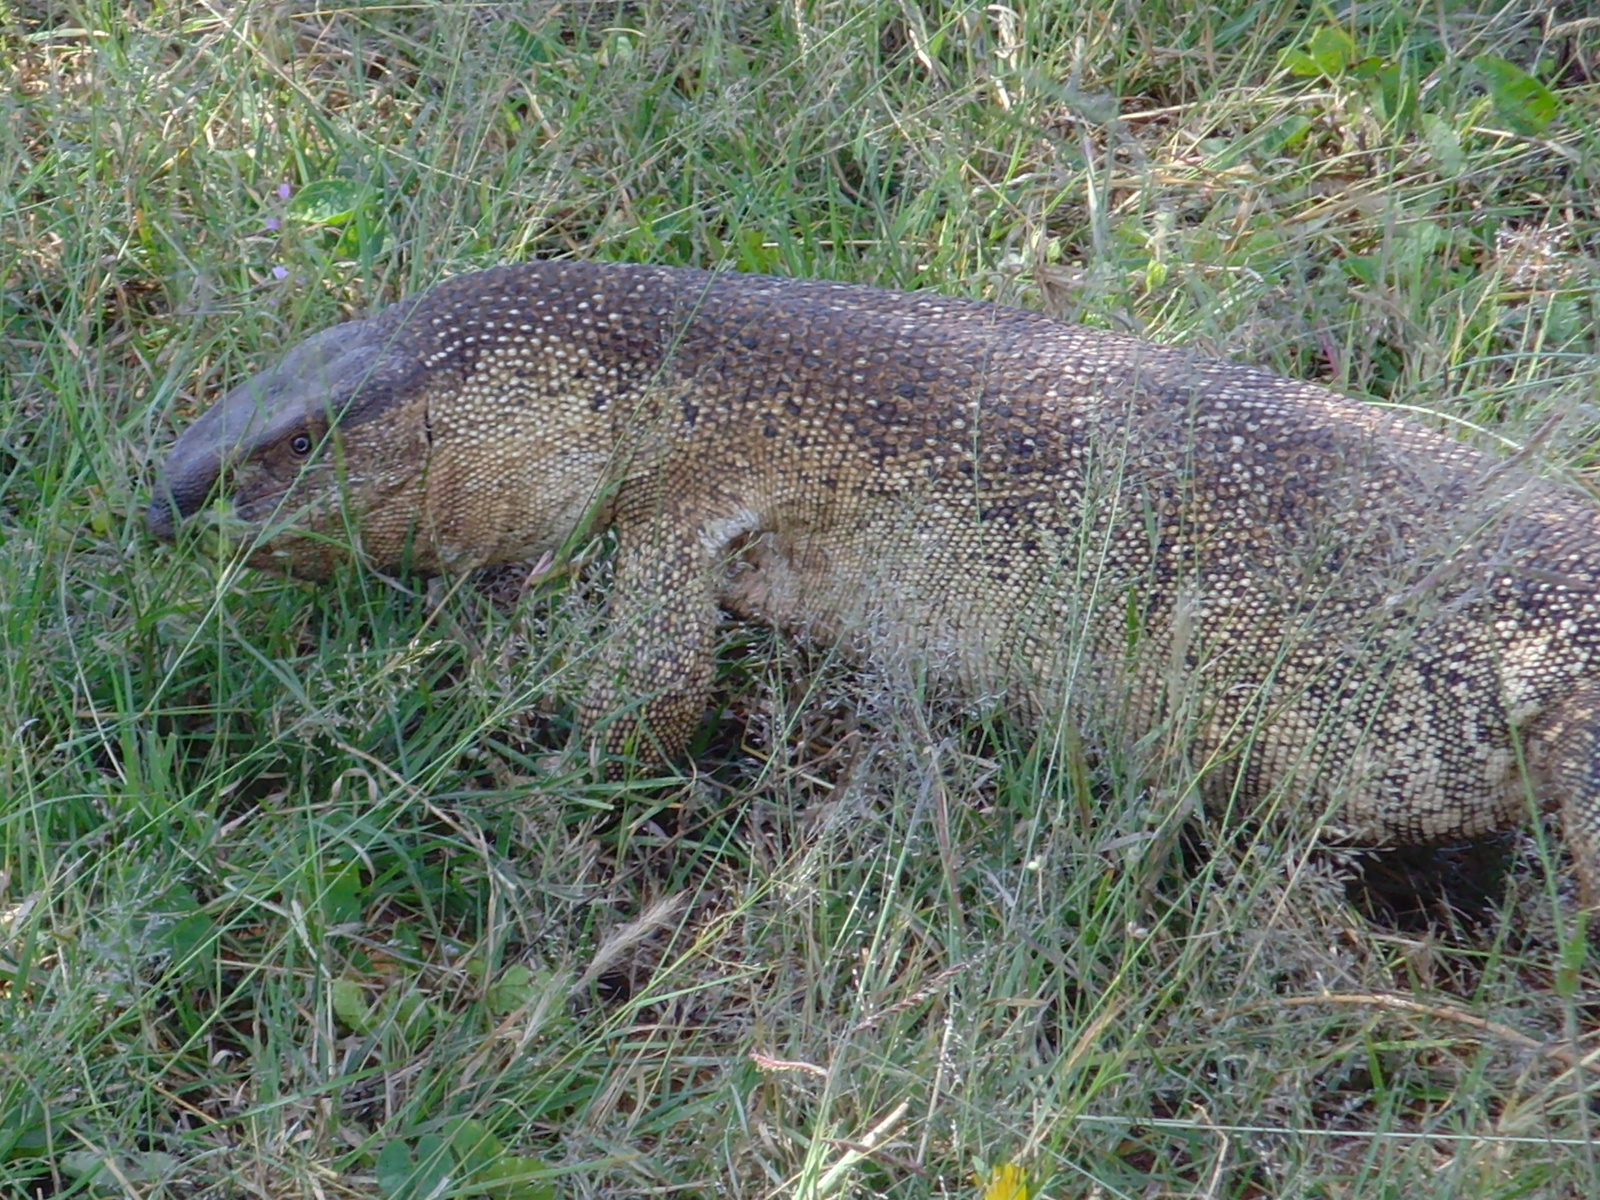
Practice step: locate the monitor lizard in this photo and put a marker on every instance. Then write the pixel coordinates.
(1074, 524)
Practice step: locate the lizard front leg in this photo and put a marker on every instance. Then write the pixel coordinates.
(1565, 746)
(653, 683)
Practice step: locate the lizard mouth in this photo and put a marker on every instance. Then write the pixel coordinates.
(160, 519)
(256, 532)
(218, 530)
(181, 492)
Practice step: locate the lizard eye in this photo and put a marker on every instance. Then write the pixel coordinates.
(300, 444)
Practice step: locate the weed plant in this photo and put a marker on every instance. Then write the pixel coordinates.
(299, 895)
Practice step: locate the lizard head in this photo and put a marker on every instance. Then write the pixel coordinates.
(308, 461)
(470, 425)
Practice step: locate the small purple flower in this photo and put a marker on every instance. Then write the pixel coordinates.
(280, 272)
(284, 191)
(273, 223)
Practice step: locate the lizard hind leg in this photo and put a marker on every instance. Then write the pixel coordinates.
(1564, 749)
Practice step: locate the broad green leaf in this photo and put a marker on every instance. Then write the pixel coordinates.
(148, 1166)
(394, 1169)
(363, 238)
(1392, 89)
(515, 1177)
(1298, 62)
(410, 1011)
(1444, 145)
(423, 1174)
(1361, 267)
(1332, 49)
(24, 1132)
(488, 1171)
(1284, 135)
(82, 1165)
(329, 201)
(511, 991)
(191, 936)
(476, 1149)
(1329, 52)
(1519, 99)
(342, 902)
(350, 1005)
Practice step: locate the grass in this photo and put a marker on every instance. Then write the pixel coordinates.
(298, 896)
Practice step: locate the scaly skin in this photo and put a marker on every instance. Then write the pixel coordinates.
(1310, 594)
